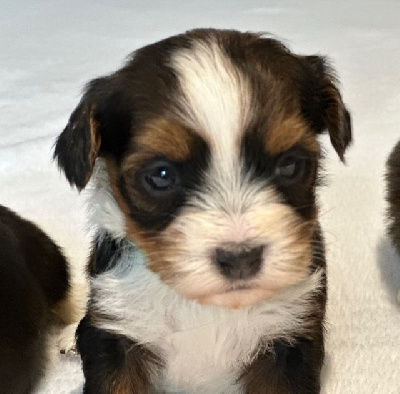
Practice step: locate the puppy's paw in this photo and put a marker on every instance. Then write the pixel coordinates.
(66, 340)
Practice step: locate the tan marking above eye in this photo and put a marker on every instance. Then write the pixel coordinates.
(166, 137)
(287, 133)
(160, 137)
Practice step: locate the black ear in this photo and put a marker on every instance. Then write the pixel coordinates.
(99, 125)
(328, 111)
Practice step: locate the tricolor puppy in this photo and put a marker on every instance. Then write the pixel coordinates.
(207, 271)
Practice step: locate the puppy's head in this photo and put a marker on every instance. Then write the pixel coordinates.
(210, 140)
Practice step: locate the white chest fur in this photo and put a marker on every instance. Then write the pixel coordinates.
(203, 347)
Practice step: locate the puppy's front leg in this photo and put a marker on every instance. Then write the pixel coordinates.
(288, 369)
(113, 364)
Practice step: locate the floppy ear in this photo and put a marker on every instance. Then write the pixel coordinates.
(332, 114)
(100, 124)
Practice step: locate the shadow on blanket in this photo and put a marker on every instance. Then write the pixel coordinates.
(389, 264)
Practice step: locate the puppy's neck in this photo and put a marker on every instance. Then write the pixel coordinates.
(130, 300)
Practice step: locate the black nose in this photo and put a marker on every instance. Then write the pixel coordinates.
(239, 263)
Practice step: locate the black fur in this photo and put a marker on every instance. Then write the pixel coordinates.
(299, 194)
(108, 103)
(288, 368)
(113, 363)
(33, 279)
(322, 103)
(105, 253)
(393, 195)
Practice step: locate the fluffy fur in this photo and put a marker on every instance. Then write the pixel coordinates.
(203, 142)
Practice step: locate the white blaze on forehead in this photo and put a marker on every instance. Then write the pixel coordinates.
(215, 98)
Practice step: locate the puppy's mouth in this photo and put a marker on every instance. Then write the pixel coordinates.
(240, 287)
(237, 296)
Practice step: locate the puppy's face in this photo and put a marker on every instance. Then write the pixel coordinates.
(210, 140)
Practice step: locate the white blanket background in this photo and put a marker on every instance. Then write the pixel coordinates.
(49, 49)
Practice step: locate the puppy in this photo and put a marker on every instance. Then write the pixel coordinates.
(393, 195)
(34, 298)
(207, 270)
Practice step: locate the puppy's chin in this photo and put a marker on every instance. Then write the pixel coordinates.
(235, 299)
(237, 295)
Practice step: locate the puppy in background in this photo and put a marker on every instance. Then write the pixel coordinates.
(393, 195)
(207, 270)
(34, 299)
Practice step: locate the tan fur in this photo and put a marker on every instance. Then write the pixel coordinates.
(133, 376)
(160, 138)
(287, 133)
(95, 143)
(180, 255)
(165, 137)
(95, 139)
(141, 238)
(67, 311)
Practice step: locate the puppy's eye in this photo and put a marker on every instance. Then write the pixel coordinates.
(160, 178)
(289, 168)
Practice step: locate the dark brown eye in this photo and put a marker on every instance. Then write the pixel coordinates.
(160, 178)
(289, 168)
